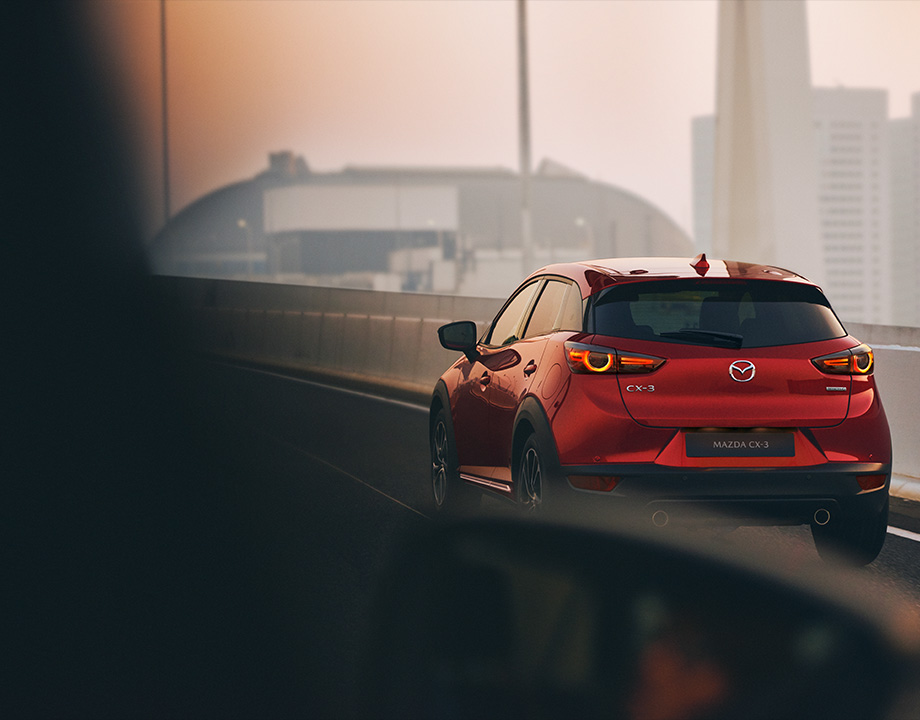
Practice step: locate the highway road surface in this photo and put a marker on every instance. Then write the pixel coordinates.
(338, 476)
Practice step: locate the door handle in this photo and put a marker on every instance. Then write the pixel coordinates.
(485, 379)
(530, 369)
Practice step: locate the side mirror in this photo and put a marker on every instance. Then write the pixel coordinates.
(496, 619)
(460, 336)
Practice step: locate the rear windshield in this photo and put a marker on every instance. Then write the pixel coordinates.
(723, 312)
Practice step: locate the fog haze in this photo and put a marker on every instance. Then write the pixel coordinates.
(613, 84)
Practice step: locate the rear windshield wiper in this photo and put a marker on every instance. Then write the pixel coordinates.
(706, 336)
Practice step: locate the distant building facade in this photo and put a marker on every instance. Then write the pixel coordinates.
(414, 229)
(904, 139)
(863, 176)
(853, 200)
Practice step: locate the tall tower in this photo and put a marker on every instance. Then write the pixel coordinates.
(765, 185)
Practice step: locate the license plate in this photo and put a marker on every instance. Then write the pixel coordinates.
(740, 444)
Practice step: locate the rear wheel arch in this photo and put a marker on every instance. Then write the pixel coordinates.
(530, 421)
(522, 431)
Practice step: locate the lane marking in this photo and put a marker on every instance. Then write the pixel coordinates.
(314, 383)
(907, 534)
(332, 466)
(359, 480)
(328, 464)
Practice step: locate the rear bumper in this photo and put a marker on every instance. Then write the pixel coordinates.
(748, 496)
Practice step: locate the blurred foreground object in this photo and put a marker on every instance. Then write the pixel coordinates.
(516, 619)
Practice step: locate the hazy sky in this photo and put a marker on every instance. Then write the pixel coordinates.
(614, 83)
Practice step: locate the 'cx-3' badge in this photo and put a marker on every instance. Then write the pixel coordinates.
(741, 371)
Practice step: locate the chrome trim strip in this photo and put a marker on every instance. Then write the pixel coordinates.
(500, 486)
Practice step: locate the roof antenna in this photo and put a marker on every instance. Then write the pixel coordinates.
(700, 264)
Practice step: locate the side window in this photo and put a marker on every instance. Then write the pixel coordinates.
(506, 327)
(554, 310)
(572, 313)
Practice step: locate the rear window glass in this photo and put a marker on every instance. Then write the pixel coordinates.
(730, 313)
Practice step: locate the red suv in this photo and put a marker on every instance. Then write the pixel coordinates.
(665, 385)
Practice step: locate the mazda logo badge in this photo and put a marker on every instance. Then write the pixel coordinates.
(741, 371)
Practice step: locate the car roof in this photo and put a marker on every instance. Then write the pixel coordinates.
(594, 275)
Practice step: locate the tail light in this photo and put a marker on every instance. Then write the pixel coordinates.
(584, 358)
(855, 361)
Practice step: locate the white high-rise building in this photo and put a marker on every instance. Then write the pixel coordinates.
(851, 132)
(904, 139)
(852, 167)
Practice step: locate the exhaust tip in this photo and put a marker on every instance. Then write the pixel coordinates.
(660, 518)
(822, 516)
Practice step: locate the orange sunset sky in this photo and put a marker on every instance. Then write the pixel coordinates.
(614, 84)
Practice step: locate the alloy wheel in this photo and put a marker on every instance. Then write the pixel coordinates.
(439, 462)
(532, 480)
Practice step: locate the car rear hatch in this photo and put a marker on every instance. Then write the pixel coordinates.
(708, 387)
(738, 352)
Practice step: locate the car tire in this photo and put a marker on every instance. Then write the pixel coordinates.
(857, 540)
(532, 478)
(448, 492)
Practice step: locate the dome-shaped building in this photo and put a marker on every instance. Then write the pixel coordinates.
(405, 228)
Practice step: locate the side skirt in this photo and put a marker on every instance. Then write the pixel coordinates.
(491, 484)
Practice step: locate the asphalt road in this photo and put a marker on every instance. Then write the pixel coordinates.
(338, 477)
(335, 484)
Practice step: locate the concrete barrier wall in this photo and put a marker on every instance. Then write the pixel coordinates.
(382, 337)
(897, 372)
(391, 339)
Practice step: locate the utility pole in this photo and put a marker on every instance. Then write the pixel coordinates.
(166, 209)
(527, 259)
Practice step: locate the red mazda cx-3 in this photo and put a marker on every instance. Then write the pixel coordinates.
(663, 385)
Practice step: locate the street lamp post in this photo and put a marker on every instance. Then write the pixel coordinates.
(165, 120)
(524, 139)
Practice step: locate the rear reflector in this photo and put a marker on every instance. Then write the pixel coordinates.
(871, 482)
(598, 483)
